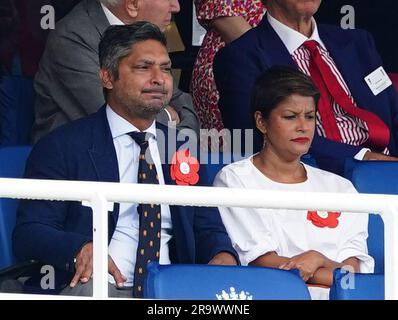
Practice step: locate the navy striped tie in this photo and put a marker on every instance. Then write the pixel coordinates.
(149, 216)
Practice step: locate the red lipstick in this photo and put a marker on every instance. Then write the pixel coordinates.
(301, 140)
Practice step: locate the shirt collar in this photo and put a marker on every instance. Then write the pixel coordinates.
(120, 126)
(291, 38)
(112, 19)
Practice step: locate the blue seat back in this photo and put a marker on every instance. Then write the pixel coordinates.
(360, 286)
(12, 164)
(380, 177)
(16, 110)
(216, 161)
(209, 282)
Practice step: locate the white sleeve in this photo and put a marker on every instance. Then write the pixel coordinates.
(250, 232)
(353, 241)
(361, 153)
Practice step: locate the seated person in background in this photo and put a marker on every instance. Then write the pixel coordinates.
(120, 143)
(284, 102)
(67, 83)
(225, 21)
(355, 118)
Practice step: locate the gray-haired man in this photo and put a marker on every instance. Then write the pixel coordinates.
(67, 84)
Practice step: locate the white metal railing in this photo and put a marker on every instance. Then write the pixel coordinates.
(99, 194)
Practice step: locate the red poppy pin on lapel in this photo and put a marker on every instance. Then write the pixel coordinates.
(184, 168)
(324, 219)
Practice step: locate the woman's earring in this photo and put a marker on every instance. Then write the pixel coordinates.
(264, 140)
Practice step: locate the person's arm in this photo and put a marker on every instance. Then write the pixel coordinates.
(213, 244)
(270, 259)
(251, 232)
(313, 266)
(182, 103)
(225, 259)
(230, 28)
(370, 155)
(211, 238)
(324, 275)
(39, 232)
(316, 268)
(74, 81)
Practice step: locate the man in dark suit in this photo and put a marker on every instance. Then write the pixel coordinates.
(379, 18)
(67, 83)
(279, 40)
(135, 73)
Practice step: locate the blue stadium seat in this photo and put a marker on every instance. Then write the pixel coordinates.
(16, 110)
(373, 176)
(209, 282)
(12, 164)
(364, 287)
(379, 177)
(216, 161)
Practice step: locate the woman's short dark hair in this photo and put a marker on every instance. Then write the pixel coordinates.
(278, 83)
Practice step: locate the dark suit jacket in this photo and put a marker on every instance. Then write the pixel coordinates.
(379, 19)
(237, 66)
(53, 232)
(67, 84)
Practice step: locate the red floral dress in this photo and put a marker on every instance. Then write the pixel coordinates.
(204, 92)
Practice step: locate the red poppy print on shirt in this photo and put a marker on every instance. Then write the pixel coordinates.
(324, 219)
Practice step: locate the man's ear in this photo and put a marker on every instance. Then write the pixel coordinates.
(132, 7)
(261, 123)
(106, 79)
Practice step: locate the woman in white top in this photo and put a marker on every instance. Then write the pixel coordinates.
(316, 243)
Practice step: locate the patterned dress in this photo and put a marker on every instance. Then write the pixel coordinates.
(204, 92)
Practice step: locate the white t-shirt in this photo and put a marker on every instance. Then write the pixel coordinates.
(254, 232)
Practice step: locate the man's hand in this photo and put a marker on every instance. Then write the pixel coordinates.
(173, 114)
(369, 155)
(115, 272)
(84, 267)
(307, 263)
(224, 258)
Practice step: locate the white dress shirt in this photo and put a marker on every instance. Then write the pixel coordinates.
(353, 130)
(124, 242)
(112, 19)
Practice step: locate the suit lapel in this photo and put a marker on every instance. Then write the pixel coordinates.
(273, 50)
(103, 153)
(97, 15)
(180, 215)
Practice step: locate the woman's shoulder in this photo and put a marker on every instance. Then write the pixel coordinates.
(234, 172)
(237, 166)
(328, 178)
